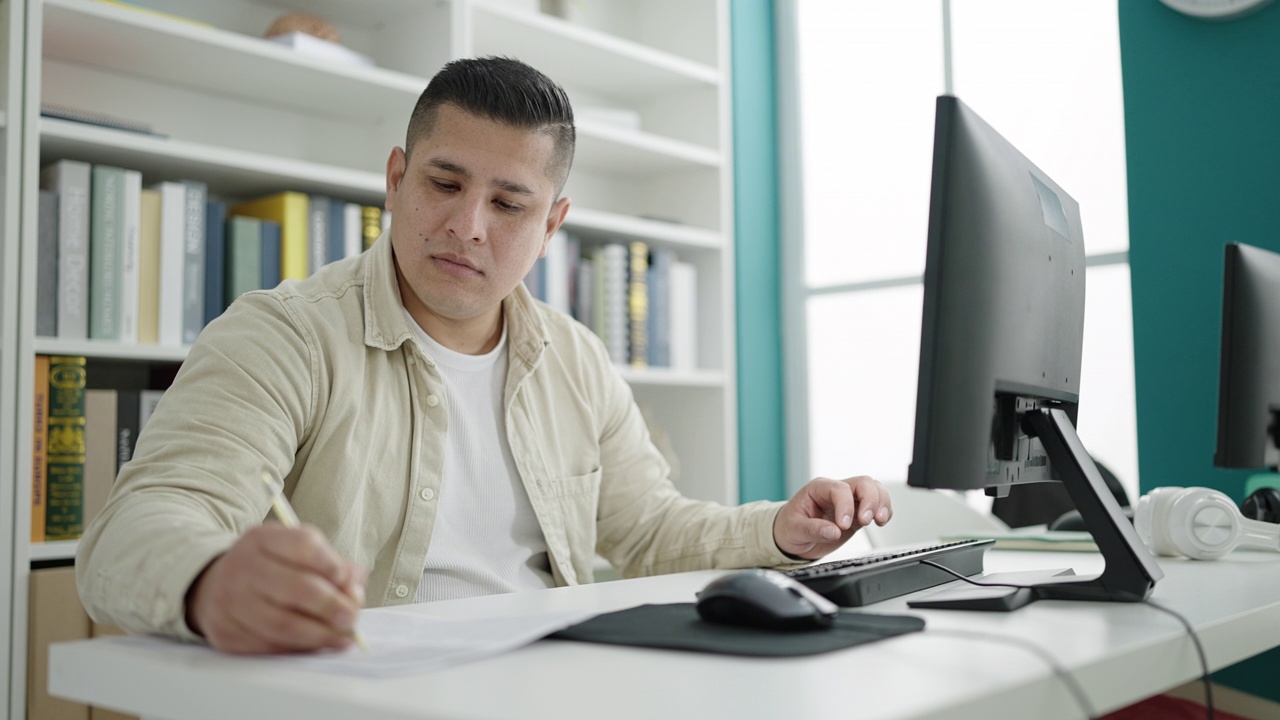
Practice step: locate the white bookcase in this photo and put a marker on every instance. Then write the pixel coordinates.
(250, 118)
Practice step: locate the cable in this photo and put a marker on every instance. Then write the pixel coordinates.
(1060, 672)
(1195, 638)
(1204, 662)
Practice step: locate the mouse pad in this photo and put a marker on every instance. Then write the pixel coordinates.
(677, 626)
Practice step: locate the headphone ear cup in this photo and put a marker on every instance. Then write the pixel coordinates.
(1262, 504)
(1204, 524)
(1151, 520)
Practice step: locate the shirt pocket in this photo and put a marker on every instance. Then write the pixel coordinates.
(578, 497)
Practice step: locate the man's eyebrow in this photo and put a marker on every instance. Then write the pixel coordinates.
(510, 186)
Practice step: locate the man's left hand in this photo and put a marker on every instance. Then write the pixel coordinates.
(825, 513)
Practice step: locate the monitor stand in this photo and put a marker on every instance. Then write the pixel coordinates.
(1131, 571)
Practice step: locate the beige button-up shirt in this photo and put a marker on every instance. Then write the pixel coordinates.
(321, 382)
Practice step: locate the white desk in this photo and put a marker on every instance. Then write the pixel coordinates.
(1118, 652)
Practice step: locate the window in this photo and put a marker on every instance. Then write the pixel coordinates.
(1047, 76)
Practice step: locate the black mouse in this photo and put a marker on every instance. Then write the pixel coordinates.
(764, 599)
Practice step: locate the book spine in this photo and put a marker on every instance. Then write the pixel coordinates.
(584, 307)
(613, 303)
(244, 256)
(353, 231)
(660, 260)
(684, 316)
(370, 224)
(173, 198)
(64, 509)
(638, 304)
(272, 254)
(149, 268)
(336, 232)
(47, 265)
(70, 179)
(127, 426)
(318, 248)
(39, 448)
(215, 254)
(99, 450)
(131, 244)
(193, 261)
(106, 253)
(557, 272)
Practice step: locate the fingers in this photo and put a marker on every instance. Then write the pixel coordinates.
(277, 590)
(872, 500)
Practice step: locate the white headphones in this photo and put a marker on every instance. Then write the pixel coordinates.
(1198, 522)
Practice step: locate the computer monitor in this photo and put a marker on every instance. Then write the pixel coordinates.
(1000, 345)
(1249, 377)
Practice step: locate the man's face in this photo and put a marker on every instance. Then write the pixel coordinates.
(471, 210)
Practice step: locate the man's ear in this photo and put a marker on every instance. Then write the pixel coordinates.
(396, 163)
(559, 209)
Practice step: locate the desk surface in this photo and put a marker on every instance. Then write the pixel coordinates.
(1118, 652)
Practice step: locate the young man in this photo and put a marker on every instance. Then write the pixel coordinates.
(429, 420)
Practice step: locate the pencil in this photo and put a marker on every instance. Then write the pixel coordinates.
(287, 517)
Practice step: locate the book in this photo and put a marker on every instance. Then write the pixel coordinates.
(149, 267)
(684, 316)
(64, 473)
(99, 450)
(106, 253)
(70, 179)
(318, 246)
(47, 265)
(660, 260)
(173, 223)
(244, 256)
(611, 299)
(91, 117)
(291, 211)
(336, 247)
(147, 402)
(39, 438)
(556, 272)
(352, 230)
(272, 273)
(215, 224)
(131, 248)
(128, 424)
(370, 224)
(638, 304)
(195, 205)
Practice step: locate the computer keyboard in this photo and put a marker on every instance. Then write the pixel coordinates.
(883, 575)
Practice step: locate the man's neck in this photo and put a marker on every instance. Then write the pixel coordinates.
(472, 336)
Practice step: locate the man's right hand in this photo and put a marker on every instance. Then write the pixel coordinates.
(277, 590)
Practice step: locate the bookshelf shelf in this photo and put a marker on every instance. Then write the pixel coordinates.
(226, 170)
(632, 152)
(663, 377)
(106, 350)
(54, 550)
(228, 63)
(626, 227)
(595, 60)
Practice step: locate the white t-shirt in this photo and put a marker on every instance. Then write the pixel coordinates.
(486, 538)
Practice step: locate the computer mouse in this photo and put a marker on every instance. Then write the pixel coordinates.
(764, 599)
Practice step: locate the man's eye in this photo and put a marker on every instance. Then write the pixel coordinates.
(445, 186)
(504, 205)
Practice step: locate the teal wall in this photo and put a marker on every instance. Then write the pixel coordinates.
(761, 449)
(1202, 126)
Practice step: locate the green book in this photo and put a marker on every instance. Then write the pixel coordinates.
(64, 473)
(243, 265)
(106, 254)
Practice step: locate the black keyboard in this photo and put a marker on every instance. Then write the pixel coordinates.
(883, 575)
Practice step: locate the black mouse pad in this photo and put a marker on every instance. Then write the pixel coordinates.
(677, 626)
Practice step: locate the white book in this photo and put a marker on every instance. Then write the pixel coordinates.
(70, 179)
(131, 212)
(173, 225)
(611, 281)
(352, 237)
(556, 281)
(684, 316)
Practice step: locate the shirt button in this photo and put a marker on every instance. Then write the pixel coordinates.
(411, 360)
(432, 400)
(427, 493)
(402, 590)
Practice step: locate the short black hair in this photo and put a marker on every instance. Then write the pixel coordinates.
(504, 90)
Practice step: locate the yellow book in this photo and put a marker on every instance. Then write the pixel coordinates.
(370, 224)
(39, 438)
(290, 210)
(64, 472)
(149, 269)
